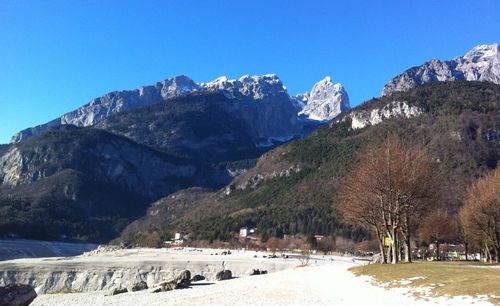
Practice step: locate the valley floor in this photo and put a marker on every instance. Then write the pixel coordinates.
(323, 282)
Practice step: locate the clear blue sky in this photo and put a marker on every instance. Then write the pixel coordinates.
(56, 55)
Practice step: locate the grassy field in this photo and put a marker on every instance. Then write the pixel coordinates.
(446, 278)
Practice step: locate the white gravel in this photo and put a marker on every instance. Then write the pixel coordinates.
(323, 282)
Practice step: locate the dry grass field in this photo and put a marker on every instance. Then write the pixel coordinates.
(445, 278)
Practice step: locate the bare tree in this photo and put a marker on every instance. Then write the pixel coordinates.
(305, 255)
(392, 185)
(481, 212)
(326, 244)
(272, 244)
(438, 227)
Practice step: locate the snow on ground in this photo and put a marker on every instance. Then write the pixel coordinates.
(326, 281)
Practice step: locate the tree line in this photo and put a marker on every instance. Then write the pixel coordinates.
(396, 192)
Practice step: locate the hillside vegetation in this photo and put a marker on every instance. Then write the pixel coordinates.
(460, 129)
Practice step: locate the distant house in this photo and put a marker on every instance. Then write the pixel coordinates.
(180, 238)
(319, 237)
(243, 232)
(247, 232)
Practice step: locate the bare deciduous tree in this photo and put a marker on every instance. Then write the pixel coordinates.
(273, 244)
(481, 212)
(392, 185)
(438, 227)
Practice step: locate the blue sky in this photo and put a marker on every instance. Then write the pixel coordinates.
(56, 55)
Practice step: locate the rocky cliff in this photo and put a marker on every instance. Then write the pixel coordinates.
(325, 101)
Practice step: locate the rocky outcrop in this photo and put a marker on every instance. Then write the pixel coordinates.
(482, 63)
(255, 180)
(325, 101)
(363, 118)
(17, 295)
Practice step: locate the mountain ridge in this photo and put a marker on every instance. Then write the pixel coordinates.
(481, 63)
(253, 88)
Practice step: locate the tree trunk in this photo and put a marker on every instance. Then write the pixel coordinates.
(394, 246)
(437, 251)
(407, 239)
(488, 254)
(380, 238)
(398, 248)
(389, 253)
(466, 250)
(407, 252)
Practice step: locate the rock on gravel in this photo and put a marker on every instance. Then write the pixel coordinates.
(197, 278)
(137, 286)
(180, 281)
(224, 275)
(116, 291)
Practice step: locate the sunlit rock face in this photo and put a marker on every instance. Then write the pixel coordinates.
(262, 102)
(482, 63)
(325, 101)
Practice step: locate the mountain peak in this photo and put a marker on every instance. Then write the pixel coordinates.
(481, 63)
(325, 101)
(327, 79)
(482, 51)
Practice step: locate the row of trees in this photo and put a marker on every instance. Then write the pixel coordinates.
(480, 215)
(395, 192)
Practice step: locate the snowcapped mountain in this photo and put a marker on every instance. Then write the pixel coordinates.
(275, 116)
(482, 63)
(325, 101)
(256, 87)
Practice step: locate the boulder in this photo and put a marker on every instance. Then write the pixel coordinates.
(163, 286)
(255, 272)
(197, 278)
(258, 272)
(180, 281)
(155, 289)
(137, 286)
(116, 291)
(183, 279)
(223, 275)
(17, 295)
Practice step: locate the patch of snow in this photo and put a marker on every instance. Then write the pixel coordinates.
(326, 281)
